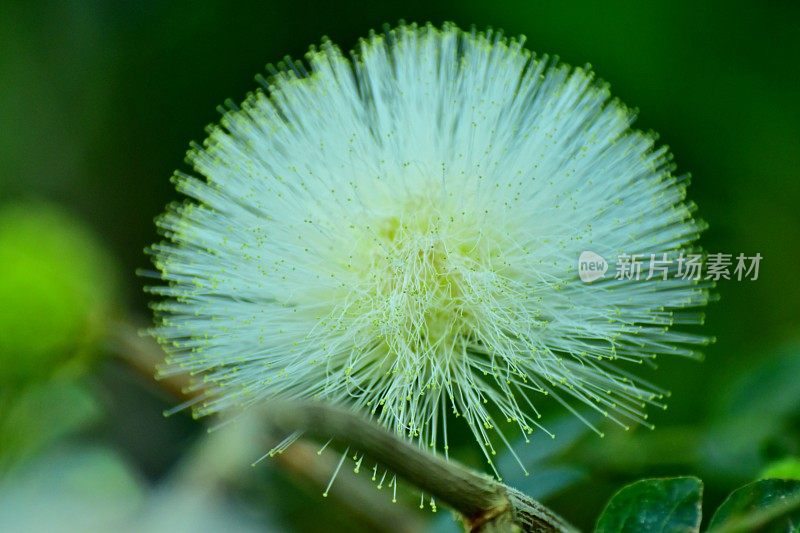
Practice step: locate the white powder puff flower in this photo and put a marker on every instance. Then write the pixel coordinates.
(400, 233)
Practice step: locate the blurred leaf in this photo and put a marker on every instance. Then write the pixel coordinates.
(769, 505)
(445, 522)
(756, 415)
(69, 490)
(40, 416)
(94, 490)
(654, 505)
(548, 481)
(540, 458)
(788, 468)
(57, 287)
(566, 432)
(770, 388)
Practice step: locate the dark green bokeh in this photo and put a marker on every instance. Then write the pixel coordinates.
(99, 100)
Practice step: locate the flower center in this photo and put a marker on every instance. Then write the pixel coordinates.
(426, 271)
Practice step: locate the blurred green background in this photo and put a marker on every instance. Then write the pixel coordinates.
(98, 102)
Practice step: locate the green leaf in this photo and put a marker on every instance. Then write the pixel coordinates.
(654, 505)
(758, 412)
(787, 468)
(566, 431)
(768, 505)
(547, 481)
(549, 472)
(57, 288)
(73, 488)
(42, 415)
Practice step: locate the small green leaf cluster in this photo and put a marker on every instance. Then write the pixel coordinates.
(674, 505)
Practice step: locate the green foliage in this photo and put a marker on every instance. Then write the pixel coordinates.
(56, 287)
(756, 418)
(675, 505)
(768, 505)
(720, 85)
(542, 457)
(40, 416)
(788, 468)
(655, 505)
(77, 489)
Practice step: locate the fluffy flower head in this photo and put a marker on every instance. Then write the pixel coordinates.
(400, 232)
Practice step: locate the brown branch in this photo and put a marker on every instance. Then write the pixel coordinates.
(301, 460)
(486, 504)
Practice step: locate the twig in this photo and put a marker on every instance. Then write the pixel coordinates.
(486, 505)
(301, 461)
